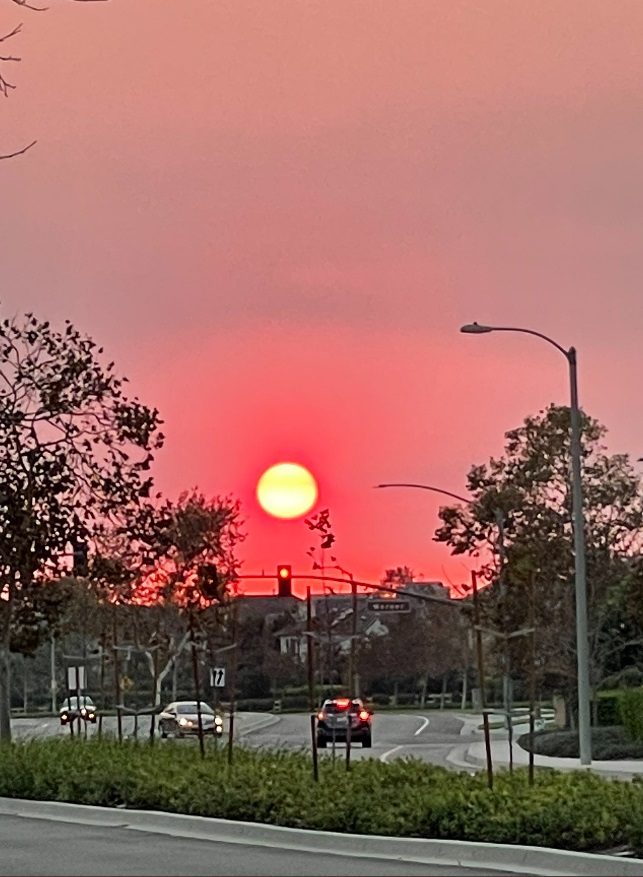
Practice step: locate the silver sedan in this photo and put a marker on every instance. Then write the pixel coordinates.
(180, 719)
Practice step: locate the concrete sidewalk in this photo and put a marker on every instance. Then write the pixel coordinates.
(475, 754)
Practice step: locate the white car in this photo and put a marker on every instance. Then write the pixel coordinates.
(180, 719)
(77, 707)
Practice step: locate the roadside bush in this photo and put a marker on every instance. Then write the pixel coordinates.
(607, 744)
(255, 704)
(607, 709)
(295, 702)
(631, 677)
(407, 798)
(380, 699)
(631, 709)
(407, 699)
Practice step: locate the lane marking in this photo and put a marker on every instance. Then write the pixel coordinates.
(425, 722)
(385, 755)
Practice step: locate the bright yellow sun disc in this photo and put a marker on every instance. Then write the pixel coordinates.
(287, 490)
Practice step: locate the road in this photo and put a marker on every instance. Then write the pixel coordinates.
(430, 736)
(49, 848)
(24, 729)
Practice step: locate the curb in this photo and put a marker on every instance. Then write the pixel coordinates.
(500, 857)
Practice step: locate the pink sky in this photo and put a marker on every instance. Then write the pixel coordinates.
(275, 215)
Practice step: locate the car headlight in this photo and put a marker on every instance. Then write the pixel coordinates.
(184, 722)
(218, 720)
(64, 717)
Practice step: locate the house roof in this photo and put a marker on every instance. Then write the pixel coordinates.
(264, 606)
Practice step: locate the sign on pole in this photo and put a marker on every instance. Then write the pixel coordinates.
(76, 678)
(393, 605)
(217, 677)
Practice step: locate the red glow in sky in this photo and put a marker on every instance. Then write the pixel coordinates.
(276, 215)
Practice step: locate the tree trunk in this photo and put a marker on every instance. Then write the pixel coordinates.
(174, 676)
(396, 686)
(5, 690)
(443, 691)
(25, 686)
(425, 682)
(465, 694)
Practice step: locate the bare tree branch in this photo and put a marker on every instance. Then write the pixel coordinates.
(29, 6)
(18, 151)
(6, 86)
(16, 30)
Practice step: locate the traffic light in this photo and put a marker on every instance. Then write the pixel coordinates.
(80, 558)
(284, 578)
(209, 582)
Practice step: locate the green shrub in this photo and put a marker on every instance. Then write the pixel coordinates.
(407, 798)
(407, 699)
(255, 704)
(631, 709)
(607, 744)
(607, 709)
(295, 702)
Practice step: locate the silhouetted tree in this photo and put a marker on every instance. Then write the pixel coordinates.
(74, 452)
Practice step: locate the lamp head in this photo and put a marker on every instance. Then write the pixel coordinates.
(475, 329)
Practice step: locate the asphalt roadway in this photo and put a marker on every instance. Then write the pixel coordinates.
(430, 736)
(49, 848)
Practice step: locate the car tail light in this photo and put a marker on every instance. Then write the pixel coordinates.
(342, 703)
(321, 715)
(363, 714)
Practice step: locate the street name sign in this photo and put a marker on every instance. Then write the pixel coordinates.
(393, 605)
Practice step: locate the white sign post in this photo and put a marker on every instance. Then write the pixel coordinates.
(217, 677)
(76, 678)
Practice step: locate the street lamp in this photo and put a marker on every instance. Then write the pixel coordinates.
(506, 683)
(582, 646)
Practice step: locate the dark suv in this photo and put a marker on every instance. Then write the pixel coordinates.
(333, 722)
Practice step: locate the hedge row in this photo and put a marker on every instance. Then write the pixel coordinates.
(407, 798)
(607, 744)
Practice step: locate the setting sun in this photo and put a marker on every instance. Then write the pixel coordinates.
(287, 490)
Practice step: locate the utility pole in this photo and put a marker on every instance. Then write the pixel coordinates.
(52, 663)
(481, 681)
(310, 659)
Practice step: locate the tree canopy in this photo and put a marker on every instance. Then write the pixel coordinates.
(75, 455)
(529, 489)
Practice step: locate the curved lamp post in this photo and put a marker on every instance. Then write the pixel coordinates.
(476, 621)
(582, 645)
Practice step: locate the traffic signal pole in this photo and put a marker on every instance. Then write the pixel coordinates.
(428, 598)
(310, 658)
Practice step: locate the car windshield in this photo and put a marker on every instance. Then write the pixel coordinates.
(72, 702)
(189, 709)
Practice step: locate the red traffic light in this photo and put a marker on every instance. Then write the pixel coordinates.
(284, 577)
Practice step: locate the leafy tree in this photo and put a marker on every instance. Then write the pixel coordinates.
(398, 577)
(530, 486)
(186, 568)
(75, 452)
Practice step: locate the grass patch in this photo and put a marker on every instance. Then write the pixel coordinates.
(407, 798)
(607, 744)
